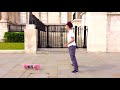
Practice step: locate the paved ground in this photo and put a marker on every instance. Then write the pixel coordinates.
(55, 63)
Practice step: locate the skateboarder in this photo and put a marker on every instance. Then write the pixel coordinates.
(71, 46)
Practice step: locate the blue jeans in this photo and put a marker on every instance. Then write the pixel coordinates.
(72, 50)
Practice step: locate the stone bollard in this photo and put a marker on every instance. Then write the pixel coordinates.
(31, 36)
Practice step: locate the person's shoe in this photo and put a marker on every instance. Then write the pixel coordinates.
(75, 71)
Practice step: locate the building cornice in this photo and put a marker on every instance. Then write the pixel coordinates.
(113, 12)
(82, 13)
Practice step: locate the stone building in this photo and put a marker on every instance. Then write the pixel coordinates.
(103, 31)
(22, 18)
(45, 17)
(103, 27)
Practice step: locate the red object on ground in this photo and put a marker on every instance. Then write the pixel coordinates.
(32, 66)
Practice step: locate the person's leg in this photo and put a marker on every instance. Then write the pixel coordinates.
(72, 50)
(70, 57)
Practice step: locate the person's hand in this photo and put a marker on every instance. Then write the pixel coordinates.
(65, 45)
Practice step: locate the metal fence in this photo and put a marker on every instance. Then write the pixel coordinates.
(16, 28)
(56, 36)
(81, 34)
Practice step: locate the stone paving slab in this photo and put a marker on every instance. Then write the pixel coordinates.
(56, 64)
(12, 51)
(27, 73)
(12, 75)
(66, 74)
(3, 71)
(31, 73)
(38, 75)
(51, 72)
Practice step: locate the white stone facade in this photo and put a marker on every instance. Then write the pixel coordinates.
(52, 17)
(31, 39)
(103, 28)
(43, 17)
(3, 24)
(63, 17)
(97, 26)
(23, 18)
(113, 32)
(103, 31)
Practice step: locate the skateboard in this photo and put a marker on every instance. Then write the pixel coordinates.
(32, 66)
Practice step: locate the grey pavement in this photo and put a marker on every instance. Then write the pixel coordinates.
(55, 63)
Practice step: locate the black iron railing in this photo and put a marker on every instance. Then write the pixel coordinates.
(56, 36)
(34, 20)
(85, 36)
(74, 16)
(81, 34)
(16, 28)
(13, 27)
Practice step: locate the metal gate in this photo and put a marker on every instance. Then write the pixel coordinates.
(56, 36)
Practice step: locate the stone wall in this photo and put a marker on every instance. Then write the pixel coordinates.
(113, 33)
(103, 31)
(45, 17)
(14, 17)
(97, 26)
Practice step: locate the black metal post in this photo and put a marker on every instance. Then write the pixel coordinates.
(76, 35)
(21, 28)
(38, 38)
(61, 32)
(74, 16)
(9, 28)
(47, 46)
(30, 18)
(85, 46)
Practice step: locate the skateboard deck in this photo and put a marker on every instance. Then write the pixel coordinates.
(31, 66)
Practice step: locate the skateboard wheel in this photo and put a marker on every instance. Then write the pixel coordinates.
(37, 67)
(25, 66)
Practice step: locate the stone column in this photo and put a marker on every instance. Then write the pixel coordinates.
(27, 17)
(97, 26)
(31, 38)
(4, 17)
(63, 17)
(3, 24)
(69, 15)
(83, 23)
